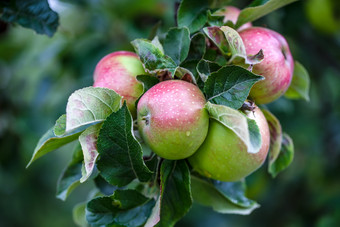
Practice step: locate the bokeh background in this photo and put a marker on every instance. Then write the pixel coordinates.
(37, 74)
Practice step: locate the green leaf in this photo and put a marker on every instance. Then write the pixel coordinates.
(103, 186)
(70, 177)
(223, 197)
(177, 43)
(205, 68)
(185, 74)
(299, 87)
(218, 3)
(215, 19)
(147, 81)
(88, 141)
(285, 157)
(275, 136)
(155, 214)
(192, 14)
(197, 48)
(246, 129)
(60, 126)
(231, 44)
(152, 56)
(90, 105)
(124, 207)
(79, 216)
(176, 199)
(120, 154)
(34, 14)
(49, 142)
(230, 86)
(250, 14)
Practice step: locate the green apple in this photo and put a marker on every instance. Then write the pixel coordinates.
(172, 119)
(118, 71)
(223, 155)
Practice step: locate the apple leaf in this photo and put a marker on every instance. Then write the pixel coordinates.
(231, 45)
(60, 126)
(124, 207)
(176, 199)
(152, 56)
(70, 178)
(34, 14)
(252, 13)
(192, 14)
(275, 136)
(103, 186)
(155, 214)
(177, 43)
(230, 86)
(79, 216)
(205, 68)
(218, 3)
(223, 197)
(285, 157)
(299, 87)
(120, 154)
(147, 81)
(88, 141)
(90, 105)
(50, 141)
(246, 129)
(185, 74)
(197, 48)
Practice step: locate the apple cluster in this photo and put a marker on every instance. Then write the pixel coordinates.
(171, 115)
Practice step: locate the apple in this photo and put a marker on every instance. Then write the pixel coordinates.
(172, 119)
(231, 13)
(277, 66)
(118, 71)
(223, 155)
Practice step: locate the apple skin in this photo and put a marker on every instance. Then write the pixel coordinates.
(231, 13)
(223, 156)
(172, 119)
(118, 71)
(277, 66)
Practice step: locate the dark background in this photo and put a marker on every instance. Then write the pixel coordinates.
(37, 74)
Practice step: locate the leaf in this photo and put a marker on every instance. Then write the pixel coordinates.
(49, 142)
(152, 56)
(34, 14)
(223, 197)
(177, 44)
(70, 177)
(88, 141)
(231, 44)
(218, 3)
(275, 136)
(285, 157)
(192, 14)
(185, 74)
(90, 105)
(176, 199)
(250, 14)
(205, 68)
(147, 81)
(246, 129)
(155, 214)
(120, 154)
(230, 86)
(299, 87)
(197, 48)
(79, 214)
(124, 207)
(60, 126)
(103, 186)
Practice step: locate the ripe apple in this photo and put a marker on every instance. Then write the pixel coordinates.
(118, 71)
(231, 13)
(172, 119)
(223, 155)
(277, 66)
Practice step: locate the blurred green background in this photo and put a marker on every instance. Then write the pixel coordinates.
(37, 74)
